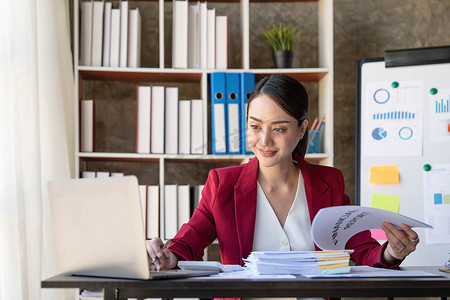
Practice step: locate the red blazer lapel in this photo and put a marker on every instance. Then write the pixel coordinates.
(245, 206)
(318, 193)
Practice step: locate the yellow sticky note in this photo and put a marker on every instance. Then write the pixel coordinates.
(387, 202)
(384, 174)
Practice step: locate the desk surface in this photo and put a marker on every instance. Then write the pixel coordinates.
(233, 288)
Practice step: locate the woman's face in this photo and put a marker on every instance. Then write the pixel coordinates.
(272, 133)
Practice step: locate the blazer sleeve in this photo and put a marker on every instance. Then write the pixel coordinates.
(367, 250)
(194, 236)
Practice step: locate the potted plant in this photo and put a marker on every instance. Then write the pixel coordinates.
(281, 41)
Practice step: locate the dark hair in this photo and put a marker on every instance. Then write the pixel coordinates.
(290, 95)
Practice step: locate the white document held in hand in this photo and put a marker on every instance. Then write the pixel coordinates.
(333, 226)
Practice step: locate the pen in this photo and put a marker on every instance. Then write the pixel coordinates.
(314, 124)
(320, 123)
(319, 127)
(166, 244)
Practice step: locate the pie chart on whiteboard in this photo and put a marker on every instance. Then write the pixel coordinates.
(379, 133)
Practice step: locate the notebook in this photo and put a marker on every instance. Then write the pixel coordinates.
(99, 229)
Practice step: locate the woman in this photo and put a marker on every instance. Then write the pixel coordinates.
(270, 202)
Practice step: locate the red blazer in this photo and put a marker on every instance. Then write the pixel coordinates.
(227, 211)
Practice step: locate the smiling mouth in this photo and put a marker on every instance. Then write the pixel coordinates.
(267, 153)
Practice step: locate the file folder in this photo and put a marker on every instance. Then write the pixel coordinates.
(218, 113)
(247, 85)
(233, 111)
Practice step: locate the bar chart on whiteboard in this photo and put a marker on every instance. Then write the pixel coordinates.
(439, 101)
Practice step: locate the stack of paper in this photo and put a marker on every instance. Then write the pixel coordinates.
(299, 262)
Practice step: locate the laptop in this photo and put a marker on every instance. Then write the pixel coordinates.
(99, 230)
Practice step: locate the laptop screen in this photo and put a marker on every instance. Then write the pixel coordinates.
(98, 227)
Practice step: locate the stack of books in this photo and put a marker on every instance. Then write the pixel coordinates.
(109, 37)
(299, 262)
(166, 124)
(199, 36)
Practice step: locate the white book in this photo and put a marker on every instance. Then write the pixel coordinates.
(221, 42)
(197, 145)
(200, 190)
(107, 34)
(117, 174)
(134, 38)
(143, 107)
(87, 126)
(101, 174)
(170, 211)
(86, 33)
(152, 211)
(88, 174)
(184, 206)
(157, 120)
(123, 55)
(143, 198)
(184, 129)
(233, 128)
(193, 53)
(203, 35)
(115, 38)
(180, 34)
(171, 121)
(211, 39)
(97, 33)
(219, 128)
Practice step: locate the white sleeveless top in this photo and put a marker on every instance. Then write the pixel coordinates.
(294, 236)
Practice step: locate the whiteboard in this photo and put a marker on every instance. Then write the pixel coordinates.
(424, 144)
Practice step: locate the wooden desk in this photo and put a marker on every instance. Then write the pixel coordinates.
(236, 288)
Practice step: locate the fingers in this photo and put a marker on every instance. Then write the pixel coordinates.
(154, 251)
(167, 260)
(160, 258)
(412, 235)
(402, 241)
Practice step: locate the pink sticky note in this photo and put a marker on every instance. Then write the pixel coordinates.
(378, 234)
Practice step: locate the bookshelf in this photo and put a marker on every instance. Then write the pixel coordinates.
(117, 153)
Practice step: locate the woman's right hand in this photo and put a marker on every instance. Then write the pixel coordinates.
(160, 258)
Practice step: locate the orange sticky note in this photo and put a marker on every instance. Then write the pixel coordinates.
(384, 174)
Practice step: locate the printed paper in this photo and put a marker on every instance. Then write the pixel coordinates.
(333, 226)
(436, 189)
(393, 118)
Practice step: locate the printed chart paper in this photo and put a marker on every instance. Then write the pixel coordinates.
(439, 115)
(393, 118)
(333, 226)
(436, 187)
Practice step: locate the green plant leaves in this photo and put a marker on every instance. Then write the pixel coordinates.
(282, 37)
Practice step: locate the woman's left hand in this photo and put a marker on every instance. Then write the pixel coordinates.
(400, 242)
